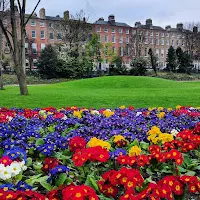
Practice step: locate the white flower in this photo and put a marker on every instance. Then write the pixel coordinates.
(5, 173)
(16, 168)
(138, 114)
(95, 112)
(9, 118)
(174, 132)
(65, 117)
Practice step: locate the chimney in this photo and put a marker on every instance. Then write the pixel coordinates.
(66, 14)
(58, 16)
(16, 8)
(101, 19)
(149, 22)
(179, 26)
(137, 24)
(42, 13)
(195, 29)
(168, 28)
(111, 19)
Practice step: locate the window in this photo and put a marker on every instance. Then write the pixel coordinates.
(146, 33)
(172, 34)
(145, 52)
(120, 30)
(157, 41)
(157, 33)
(42, 35)
(42, 23)
(43, 46)
(33, 23)
(50, 25)
(99, 37)
(51, 36)
(167, 41)
(183, 44)
(113, 39)
(106, 29)
(120, 39)
(162, 41)
(121, 51)
(34, 48)
(162, 53)
(113, 49)
(167, 34)
(163, 35)
(26, 48)
(99, 29)
(33, 34)
(177, 43)
(127, 39)
(127, 31)
(146, 40)
(59, 36)
(106, 38)
(172, 42)
(157, 52)
(151, 41)
(151, 33)
(113, 30)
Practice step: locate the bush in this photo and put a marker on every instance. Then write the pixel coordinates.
(138, 67)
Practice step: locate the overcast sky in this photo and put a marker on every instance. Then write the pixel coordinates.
(162, 12)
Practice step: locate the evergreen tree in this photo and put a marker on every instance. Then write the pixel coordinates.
(138, 66)
(153, 60)
(171, 59)
(48, 64)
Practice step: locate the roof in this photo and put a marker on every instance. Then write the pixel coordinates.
(101, 22)
(53, 18)
(178, 30)
(151, 27)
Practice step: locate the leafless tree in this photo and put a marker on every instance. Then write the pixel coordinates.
(75, 30)
(30, 56)
(17, 46)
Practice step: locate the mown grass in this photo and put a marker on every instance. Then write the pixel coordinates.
(106, 92)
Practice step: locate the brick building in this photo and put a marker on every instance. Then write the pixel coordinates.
(42, 30)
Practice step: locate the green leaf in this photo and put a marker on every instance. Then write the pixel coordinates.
(102, 197)
(29, 162)
(46, 185)
(144, 145)
(39, 142)
(1, 152)
(36, 179)
(19, 177)
(190, 173)
(61, 179)
(134, 143)
(181, 169)
(94, 184)
(186, 161)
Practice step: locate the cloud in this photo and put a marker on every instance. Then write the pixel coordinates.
(162, 12)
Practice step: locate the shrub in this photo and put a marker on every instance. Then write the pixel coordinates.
(138, 67)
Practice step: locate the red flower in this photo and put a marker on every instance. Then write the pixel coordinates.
(6, 160)
(49, 164)
(77, 143)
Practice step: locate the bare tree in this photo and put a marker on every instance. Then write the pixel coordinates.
(18, 47)
(75, 30)
(29, 52)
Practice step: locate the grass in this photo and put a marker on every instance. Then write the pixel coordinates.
(106, 92)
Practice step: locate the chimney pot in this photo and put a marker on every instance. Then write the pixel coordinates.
(42, 13)
(111, 19)
(137, 24)
(66, 14)
(195, 29)
(179, 26)
(149, 22)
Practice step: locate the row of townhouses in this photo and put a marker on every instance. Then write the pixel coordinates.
(122, 37)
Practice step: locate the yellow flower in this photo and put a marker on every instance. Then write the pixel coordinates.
(108, 113)
(169, 109)
(118, 138)
(135, 151)
(151, 109)
(178, 107)
(154, 130)
(122, 107)
(77, 114)
(160, 108)
(161, 115)
(94, 142)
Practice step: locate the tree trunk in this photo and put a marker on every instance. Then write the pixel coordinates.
(18, 54)
(1, 80)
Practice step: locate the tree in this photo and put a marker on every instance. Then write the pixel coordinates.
(184, 61)
(138, 66)
(117, 67)
(171, 59)
(75, 30)
(18, 47)
(30, 54)
(153, 60)
(48, 64)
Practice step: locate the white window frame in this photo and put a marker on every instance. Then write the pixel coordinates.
(34, 46)
(127, 31)
(41, 23)
(162, 41)
(50, 35)
(127, 39)
(43, 46)
(113, 39)
(120, 30)
(33, 31)
(98, 29)
(106, 29)
(42, 38)
(113, 30)
(106, 38)
(120, 39)
(33, 24)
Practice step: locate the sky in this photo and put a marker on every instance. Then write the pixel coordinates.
(162, 12)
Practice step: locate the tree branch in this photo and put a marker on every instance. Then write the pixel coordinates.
(6, 35)
(32, 13)
(19, 5)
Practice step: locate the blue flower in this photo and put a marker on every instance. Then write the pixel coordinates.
(6, 187)
(59, 169)
(22, 186)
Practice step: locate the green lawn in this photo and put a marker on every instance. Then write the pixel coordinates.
(106, 92)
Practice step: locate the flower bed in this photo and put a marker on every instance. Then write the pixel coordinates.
(89, 154)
